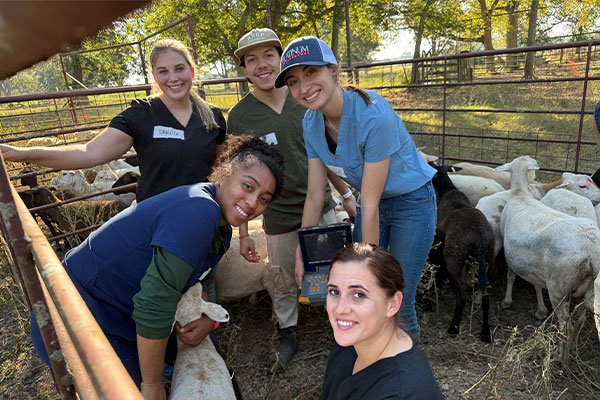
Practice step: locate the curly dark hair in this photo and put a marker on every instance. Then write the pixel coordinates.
(247, 151)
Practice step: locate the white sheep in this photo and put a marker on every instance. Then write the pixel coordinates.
(119, 167)
(237, 278)
(200, 372)
(75, 181)
(104, 180)
(42, 141)
(428, 158)
(475, 187)
(466, 168)
(570, 203)
(492, 205)
(547, 248)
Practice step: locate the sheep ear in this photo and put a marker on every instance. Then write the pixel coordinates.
(566, 175)
(533, 167)
(503, 167)
(215, 312)
(562, 185)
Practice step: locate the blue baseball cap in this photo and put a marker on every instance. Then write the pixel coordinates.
(307, 50)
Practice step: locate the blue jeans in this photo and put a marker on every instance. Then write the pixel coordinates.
(406, 228)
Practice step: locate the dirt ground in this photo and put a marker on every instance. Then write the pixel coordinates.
(520, 363)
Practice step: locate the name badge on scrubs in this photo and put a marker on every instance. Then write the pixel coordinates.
(269, 138)
(165, 132)
(339, 171)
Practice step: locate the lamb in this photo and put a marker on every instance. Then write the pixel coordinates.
(475, 187)
(502, 177)
(465, 234)
(200, 372)
(547, 248)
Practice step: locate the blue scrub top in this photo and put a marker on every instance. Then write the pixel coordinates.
(368, 133)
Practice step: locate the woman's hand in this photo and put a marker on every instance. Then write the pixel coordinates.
(299, 272)
(12, 153)
(350, 206)
(248, 249)
(194, 333)
(153, 391)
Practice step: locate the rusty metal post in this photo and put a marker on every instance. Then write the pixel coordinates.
(14, 269)
(585, 84)
(444, 112)
(21, 245)
(190, 24)
(70, 100)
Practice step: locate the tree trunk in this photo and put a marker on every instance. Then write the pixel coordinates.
(486, 14)
(512, 33)
(414, 76)
(530, 58)
(336, 23)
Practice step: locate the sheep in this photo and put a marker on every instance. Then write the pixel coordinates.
(465, 234)
(42, 141)
(75, 180)
(547, 248)
(502, 177)
(71, 216)
(104, 180)
(34, 198)
(30, 179)
(126, 179)
(426, 157)
(119, 167)
(236, 277)
(475, 187)
(200, 372)
(570, 203)
(492, 205)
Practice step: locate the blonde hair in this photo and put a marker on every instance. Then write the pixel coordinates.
(204, 108)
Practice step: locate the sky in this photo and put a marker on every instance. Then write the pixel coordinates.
(397, 47)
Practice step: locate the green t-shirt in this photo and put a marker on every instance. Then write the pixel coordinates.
(251, 116)
(160, 290)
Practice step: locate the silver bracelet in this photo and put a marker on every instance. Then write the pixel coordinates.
(347, 194)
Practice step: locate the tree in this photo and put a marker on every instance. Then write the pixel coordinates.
(530, 57)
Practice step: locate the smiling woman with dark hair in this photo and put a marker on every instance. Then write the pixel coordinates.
(373, 358)
(134, 269)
